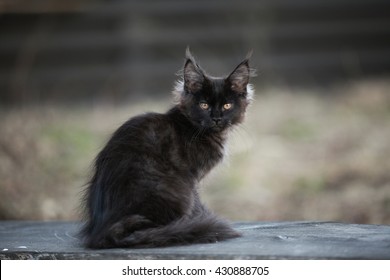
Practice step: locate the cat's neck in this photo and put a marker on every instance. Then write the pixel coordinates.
(202, 149)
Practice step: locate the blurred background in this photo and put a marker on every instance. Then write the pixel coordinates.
(316, 142)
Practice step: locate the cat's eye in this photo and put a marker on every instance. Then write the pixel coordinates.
(227, 106)
(204, 105)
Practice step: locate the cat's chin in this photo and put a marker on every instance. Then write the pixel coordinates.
(217, 129)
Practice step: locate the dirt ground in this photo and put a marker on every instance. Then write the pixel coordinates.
(302, 154)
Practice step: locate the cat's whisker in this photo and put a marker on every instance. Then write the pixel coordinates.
(199, 133)
(194, 136)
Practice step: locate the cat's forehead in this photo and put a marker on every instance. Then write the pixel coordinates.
(217, 84)
(215, 90)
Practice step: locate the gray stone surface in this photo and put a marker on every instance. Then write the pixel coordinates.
(261, 240)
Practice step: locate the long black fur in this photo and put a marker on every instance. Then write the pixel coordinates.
(144, 189)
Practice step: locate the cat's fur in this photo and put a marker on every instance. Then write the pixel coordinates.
(144, 189)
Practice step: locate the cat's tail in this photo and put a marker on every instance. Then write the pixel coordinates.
(186, 230)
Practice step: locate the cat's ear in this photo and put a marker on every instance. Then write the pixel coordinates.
(239, 78)
(192, 74)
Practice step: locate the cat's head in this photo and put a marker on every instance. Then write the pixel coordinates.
(214, 104)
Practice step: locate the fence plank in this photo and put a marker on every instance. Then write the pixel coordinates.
(139, 41)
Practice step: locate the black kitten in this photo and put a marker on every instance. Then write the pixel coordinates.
(144, 190)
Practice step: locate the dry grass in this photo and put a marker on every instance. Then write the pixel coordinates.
(301, 155)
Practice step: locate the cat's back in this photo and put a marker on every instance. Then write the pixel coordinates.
(145, 130)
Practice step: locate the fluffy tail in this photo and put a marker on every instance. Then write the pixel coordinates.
(186, 230)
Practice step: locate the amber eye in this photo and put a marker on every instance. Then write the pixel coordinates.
(204, 105)
(227, 106)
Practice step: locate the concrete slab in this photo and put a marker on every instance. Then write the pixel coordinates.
(260, 240)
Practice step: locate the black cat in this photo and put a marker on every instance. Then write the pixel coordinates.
(144, 190)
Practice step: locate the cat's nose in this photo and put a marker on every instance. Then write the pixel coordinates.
(217, 121)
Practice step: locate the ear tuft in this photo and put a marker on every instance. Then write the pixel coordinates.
(192, 74)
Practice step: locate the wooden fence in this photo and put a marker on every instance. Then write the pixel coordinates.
(98, 50)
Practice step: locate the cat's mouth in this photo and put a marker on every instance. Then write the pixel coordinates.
(217, 127)
(213, 126)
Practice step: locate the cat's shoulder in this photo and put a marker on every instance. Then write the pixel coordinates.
(151, 125)
(151, 121)
(149, 117)
(146, 120)
(156, 119)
